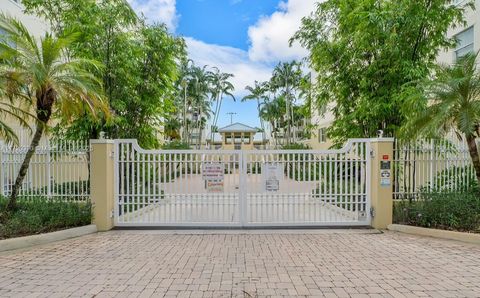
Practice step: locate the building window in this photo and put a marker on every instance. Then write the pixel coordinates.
(322, 135)
(465, 43)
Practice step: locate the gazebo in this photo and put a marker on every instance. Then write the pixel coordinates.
(237, 136)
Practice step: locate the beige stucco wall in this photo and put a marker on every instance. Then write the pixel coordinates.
(473, 19)
(321, 121)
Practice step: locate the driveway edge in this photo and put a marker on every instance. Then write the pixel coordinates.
(443, 234)
(33, 240)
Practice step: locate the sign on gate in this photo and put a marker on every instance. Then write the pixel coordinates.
(213, 171)
(272, 175)
(215, 186)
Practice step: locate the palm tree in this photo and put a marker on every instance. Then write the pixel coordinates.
(258, 92)
(8, 110)
(39, 73)
(273, 111)
(182, 94)
(453, 104)
(288, 76)
(220, 86)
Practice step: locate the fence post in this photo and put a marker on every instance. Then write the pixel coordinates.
(3, 169)
(48, 169)
(102, 183)
(381, 182)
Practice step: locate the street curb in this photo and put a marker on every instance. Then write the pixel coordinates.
(443, 234)
(33, 240)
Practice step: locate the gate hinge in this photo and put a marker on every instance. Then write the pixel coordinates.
(372, 212)
(112, 213)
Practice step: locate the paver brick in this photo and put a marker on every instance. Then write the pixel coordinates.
(243, 264)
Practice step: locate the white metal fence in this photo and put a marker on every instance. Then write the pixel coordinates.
(58, 170)
(431, 166)
(242, 188)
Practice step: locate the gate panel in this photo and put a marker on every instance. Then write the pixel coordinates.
(235, 188)
(309, 187)
(176, 188)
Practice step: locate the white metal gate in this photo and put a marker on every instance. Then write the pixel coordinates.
(221, 188)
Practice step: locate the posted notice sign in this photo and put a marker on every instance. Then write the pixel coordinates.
(272, 175)
(213, 171)
(215, 186)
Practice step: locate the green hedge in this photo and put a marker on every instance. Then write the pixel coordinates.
(448, 211)
(40, 215)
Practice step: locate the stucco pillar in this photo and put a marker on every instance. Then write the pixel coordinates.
(102, 183)
(382, 182)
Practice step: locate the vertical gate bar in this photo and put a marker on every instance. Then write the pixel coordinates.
(116, 190)
(368, 158)
(241, 188)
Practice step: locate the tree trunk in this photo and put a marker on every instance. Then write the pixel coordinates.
(472, 148)
(12, 203)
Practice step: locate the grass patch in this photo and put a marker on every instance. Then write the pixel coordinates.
(40, 215)
(446, 211)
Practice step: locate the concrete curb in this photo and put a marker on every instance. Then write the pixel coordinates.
(451, 235)
(29, 241)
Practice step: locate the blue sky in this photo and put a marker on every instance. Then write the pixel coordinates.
(243, 37)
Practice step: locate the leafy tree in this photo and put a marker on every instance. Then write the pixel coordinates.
(449, 102)
(366, 51)
(40, 73)
(140, 65)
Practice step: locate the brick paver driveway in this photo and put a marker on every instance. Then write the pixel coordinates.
(244, 264)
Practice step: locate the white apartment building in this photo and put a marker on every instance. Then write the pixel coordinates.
(468, 41)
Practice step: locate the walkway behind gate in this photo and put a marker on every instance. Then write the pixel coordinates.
(242, 188)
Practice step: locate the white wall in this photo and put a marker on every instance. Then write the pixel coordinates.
(35, 25)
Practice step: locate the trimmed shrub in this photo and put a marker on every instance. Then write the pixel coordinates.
(41, 215)
(448, 211)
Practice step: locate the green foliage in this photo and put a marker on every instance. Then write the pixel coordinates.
(40, 215)
(455, 179)
(451, 101)
(40, 75)
(366, 52)
(176, 145)
(81, 188)
(449, 211)
(140, 66)
(296, 146)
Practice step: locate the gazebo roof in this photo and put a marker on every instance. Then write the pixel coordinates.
(237, 127)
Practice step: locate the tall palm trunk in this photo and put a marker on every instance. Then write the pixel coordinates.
(12, 203)
(473, 150)
(218, 107)
(45, 102)
(262, 125)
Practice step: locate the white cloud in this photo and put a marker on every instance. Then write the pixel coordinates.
(270, 36)
(163, 11)
(229, 60)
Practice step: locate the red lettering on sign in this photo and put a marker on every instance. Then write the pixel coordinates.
(386, 157)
